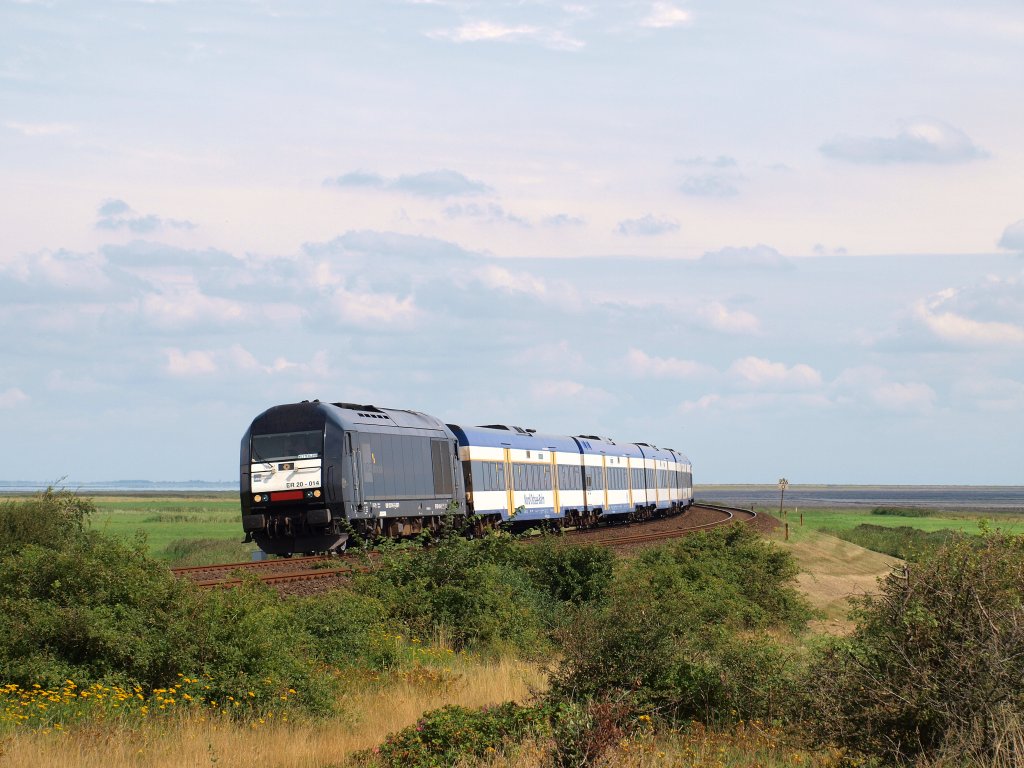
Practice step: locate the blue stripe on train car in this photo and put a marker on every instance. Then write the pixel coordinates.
(535, 513)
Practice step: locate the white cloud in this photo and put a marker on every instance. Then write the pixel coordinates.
(1013, 237)
(992, 394)
(914, 396)
(958, 329)
(117, 214)
(665, 15)
(39, 129)
(237, 359)
(719, 317)
(758, 372)
(489, 31)
(187, 307)
(870, 386)
(35, 275)
(370, 309)
(559, 356)
(923, 141)
(437, 184)
(194, 363)
(639, 363)
(647, 226)
(12, 398)
(561, 390)
(754, 401)
(502, 279)
(759, 256)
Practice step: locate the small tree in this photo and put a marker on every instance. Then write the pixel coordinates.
(935, 669)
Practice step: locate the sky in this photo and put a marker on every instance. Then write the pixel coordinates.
(785, 238)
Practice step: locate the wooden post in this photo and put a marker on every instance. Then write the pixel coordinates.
(787, 531)
(801, 519)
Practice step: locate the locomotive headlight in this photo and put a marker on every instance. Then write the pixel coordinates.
(257, 498)
(316, 494)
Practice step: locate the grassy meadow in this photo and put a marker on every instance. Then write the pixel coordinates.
(180, 528)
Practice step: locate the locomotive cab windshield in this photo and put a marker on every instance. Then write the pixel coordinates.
(288, 445)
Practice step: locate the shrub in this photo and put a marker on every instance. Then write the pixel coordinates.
(346, 629)
(54, 519)
(471, 590)
(934, 669)
(678, 633)
(445, 736)
(569, 573)
(903, 511)
(584, 731)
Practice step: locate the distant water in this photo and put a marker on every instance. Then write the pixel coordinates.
(28, 486)
(1005, 498)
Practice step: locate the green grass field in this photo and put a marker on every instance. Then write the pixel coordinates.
(193, 529)
(833, 519)
(186, 529)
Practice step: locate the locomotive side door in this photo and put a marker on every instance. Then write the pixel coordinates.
(358, 494)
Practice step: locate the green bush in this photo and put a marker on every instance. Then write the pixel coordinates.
(569, 573)
(934, 670)
(346, 629)
(54, 518)
(903, 511)
(471, 590)
(443, 737)
(680, 633)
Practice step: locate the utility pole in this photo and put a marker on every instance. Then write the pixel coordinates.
(783, 484)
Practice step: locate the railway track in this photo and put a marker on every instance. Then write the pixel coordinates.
(320, 568)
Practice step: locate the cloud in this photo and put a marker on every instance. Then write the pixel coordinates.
(45, 276)
(561, 356)
(372, 309)
(431, 184)
(236, 359)
(904, 397)
(719, 317)
(664, 16)
(722, 161)
(12, 398)
(870, 387)
(640, 364)
(117, 214)
(33, 130)
(359, 179)
(744, 257)
(562, 220)
(992, 394)
(1013, 237)
(489, 31)
(492, 213)
(823, 250)
(646, 226)
(187, 308)
(561, 390)
(502, 279)
(924, 141)
(194, 363)
(758, 372)
(959, 329)
(757, 402)
(710, 185)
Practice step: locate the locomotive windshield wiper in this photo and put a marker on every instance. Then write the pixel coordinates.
(261, 460)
